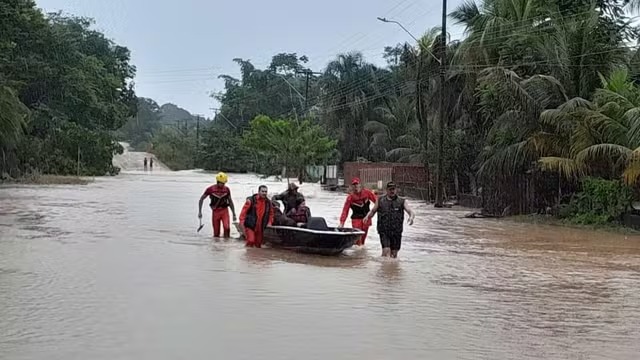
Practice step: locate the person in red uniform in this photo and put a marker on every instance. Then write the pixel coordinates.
(255, 215)
(359, 202)
(221, 202)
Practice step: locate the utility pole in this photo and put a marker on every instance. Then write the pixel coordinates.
(197, 140)
(308, 74)
(419, 109)
(443, 110)
(224, 117)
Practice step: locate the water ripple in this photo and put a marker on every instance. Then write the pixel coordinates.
(116, 270)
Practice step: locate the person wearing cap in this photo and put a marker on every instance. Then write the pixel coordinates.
(391, 208)
(291, 198)
(221, 202)
(359, 202)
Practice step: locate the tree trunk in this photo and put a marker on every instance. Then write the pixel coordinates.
(457, 183)
(473, 183)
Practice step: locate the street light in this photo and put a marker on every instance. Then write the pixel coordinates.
(442, 62)
(385, 20)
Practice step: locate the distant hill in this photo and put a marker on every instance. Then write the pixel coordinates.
(151, 117)
(171, 114)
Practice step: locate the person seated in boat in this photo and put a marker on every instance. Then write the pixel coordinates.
(300, 214)
(291, 198)
(279, 219)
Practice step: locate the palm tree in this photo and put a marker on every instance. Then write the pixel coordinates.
(350, 92)
(396, 134)
(13, 120)
(604, 136)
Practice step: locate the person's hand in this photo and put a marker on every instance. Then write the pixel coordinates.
(366, 219)
(410, 220)
(199, 215)
(235, 218)
(341, 225)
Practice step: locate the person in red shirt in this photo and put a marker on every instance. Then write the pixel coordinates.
(359, 202)
(255, 215)
(221, 202)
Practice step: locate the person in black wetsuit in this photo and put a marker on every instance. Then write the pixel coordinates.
(391, 208)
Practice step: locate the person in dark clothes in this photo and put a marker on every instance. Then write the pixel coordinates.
(291, 198)
(391, 208)
(279, 218)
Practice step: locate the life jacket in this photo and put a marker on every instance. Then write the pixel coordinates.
(360, 205)
(251, 218)
(220, 197)
(390, 214)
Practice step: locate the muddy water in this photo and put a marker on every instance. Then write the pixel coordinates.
(115, 270)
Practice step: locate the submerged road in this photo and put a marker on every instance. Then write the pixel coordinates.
(116, 270)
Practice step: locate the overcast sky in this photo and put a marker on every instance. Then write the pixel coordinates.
(180, 47)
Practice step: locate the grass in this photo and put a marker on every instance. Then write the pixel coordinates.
(554, 221)
(50, 180)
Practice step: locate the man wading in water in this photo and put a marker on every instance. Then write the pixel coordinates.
(390, 209)
(221, 202)
(256, 214)
(358, 202)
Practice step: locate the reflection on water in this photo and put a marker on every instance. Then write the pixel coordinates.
(116, 270)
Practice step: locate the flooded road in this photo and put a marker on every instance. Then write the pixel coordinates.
(116, 270)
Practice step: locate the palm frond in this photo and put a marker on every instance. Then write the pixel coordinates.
(599, 151)
(566, 167)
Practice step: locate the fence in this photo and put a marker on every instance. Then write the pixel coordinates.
(405, 175)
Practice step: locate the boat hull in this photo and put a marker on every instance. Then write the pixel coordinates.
(330, 241)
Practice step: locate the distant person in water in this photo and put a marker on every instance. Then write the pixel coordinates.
(359, 202)
(257, 213)
(145, 164)
(221, 202)
(390, 208)
(151, 163)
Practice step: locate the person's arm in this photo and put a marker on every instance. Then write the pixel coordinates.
(204, 196)
(232, 206)
(409, 211)
(279, 197)
(373, 197)
(345, 211)
(243, 212)
(371, 212)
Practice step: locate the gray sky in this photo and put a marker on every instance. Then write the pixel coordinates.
(180, 47)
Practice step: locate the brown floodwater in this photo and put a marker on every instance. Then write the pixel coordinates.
(116, 270)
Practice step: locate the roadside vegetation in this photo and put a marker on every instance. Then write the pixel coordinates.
(541, 101)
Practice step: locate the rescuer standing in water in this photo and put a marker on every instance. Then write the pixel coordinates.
(221, 201)
(359, 202)
(255, 216)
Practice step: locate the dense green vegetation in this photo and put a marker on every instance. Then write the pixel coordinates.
(63, 89)
(538, 96)
(541, 103)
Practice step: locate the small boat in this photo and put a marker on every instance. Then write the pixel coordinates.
(315, 237)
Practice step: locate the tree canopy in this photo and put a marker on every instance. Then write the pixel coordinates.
(64, 88)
